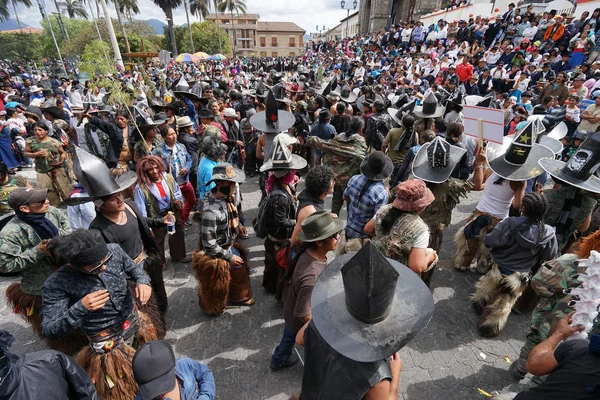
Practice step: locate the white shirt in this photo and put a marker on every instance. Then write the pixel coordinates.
(496, 199)
(530, 32)
(406, 34)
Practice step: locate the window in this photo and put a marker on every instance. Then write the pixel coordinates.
(274, 54)
(274, 41)
(263, 53)
(292, 42)
(292, 54)
(263, 42)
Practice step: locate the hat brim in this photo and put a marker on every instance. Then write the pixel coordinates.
(128, 179)
(555, 169)
(412, 309)
(146, 128)
(392, 113)
(530, 169)
(188, 95)
(239, 177)
(423, 171)
(352, 97)
(285, 121)
(337, 227)
(296, 163)
(439, 111)
(386, 172)
(553, 144)
(159, 386)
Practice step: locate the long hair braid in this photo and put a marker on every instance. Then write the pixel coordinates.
(534, 208)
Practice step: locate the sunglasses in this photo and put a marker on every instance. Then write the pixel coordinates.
(102, 264)
(335, 236)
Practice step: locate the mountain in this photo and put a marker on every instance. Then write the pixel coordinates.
(10, 24)
(157, 25)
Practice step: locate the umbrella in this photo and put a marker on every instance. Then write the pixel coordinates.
(186, 57)
(202, 55)
(218, 57)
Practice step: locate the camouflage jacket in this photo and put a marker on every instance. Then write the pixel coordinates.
(19, 252)
(438, 214)
(342, 154)
(550, 282)
(556, 200)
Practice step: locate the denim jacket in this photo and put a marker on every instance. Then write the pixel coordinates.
(196, 381)
(63, 291)
(185, 161)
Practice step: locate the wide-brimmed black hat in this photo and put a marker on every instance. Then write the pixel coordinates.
(331, 86)
(398, 114)
(580, 170)
(430, 108)
(205, 112)
(517, 158)
(319, 226)
(96, 179)
(457, 98)
(272, 120)
(145, 123)
(188, 95)
(367, 306)
(49, 106)
(436, 160)
(377, 166)
(280, 93)
(282, 158)
(398, 100)
(226, 172)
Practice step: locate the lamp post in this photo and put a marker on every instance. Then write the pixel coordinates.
(343, 4)
(320, 31)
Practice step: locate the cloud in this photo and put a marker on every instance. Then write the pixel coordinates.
(305, 13)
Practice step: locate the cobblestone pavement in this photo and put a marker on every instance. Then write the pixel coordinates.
(448, 360)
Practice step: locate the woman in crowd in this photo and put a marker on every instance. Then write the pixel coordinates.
(49, 158)
(399, 232)
(179, 163)
(156, 194)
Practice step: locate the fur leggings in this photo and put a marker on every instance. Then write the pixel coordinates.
(495, 295)
(467, 249)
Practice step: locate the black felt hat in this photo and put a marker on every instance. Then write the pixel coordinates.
(272, 120)
(430, 108)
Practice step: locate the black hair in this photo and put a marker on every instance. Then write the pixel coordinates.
(10, 112)
(389, 219)
(165, 129)
(534, 207)
(122, 113)
(340, 108)
(69, 247)
(3, 171)
(43, 125)
(318, 180)
(356, 124)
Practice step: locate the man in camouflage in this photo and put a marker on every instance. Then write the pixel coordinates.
(550, 283)
(343, 154)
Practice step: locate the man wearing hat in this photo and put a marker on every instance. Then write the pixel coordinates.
(556, 88)
(324, 131)
(365, 194)
(320, 232)
(378, 125)
(235, 142)
(221, 265)
(364, 308)
(90, 292)
(23, 249)
(160, 375)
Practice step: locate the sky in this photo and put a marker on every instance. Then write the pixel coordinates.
(305, 13)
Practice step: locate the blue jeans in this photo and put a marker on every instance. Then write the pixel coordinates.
(283, 352)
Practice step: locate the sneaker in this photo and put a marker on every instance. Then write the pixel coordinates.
(516, 372)
(290, 362)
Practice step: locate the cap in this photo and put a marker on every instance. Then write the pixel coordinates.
(154, 369)
(24, 196)
(595, 94)
(229, 112)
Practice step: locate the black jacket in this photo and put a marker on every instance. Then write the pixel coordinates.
(116, 139)
(282, 216)
(48, 375)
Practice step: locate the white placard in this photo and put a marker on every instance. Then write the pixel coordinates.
(492, 123)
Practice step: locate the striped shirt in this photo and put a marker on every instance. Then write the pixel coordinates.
(216, 236)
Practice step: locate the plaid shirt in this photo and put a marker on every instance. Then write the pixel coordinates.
(361, 212)
(216, 236)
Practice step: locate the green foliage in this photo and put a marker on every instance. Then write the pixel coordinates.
(94, 58)
(74, 28)
(205, 38)
(19, 46)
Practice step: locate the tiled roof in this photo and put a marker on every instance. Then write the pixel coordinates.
(235, 16)
(278, 27)
(25, 30)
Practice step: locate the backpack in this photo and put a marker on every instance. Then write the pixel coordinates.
(260, 223)
(378, 130)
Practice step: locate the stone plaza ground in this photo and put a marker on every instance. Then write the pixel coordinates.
(448, 360)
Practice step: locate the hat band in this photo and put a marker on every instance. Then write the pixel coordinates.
(326, 229)
(372, 320)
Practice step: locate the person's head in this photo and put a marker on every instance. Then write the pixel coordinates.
(121, 118)
(319, 181)
(154, 369)
(454, 131)
(426, 136)
(150, 170)
(214, 106)
(321, 232)
(340, 108)
(112, 204)
(561, 78)
(83, 250)
(573, 100)
(229, 115)
(169, 135)
(356, 125)
(40, 130)
(412, 195)
(29, 201)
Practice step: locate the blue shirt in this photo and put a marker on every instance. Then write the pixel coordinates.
(324, 131)
(361, 212)
(196, 381)
(205, 169)
(175, 161)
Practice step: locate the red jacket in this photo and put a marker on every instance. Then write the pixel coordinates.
(464, 72)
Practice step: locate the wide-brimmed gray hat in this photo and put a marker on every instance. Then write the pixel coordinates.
(436, 160)
(319, 226)
(346, 94)
(367, 306)
(398, 114)
(282, 158)
(580, 171)
(377, 166)
(226, 172)
(430, 108)
(518, 156)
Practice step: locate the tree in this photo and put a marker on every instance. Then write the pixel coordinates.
(73, 8)
(187, 17)
(167, 6)
(200, 8)
(206, 37)
(93, 60)
(26, 3)
(237, 6)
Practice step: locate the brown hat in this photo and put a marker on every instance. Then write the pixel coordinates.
(412, 195)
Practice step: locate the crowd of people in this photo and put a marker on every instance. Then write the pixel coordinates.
(375, 121)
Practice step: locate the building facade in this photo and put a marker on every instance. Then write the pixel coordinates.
(251, 37)
(373, 14)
